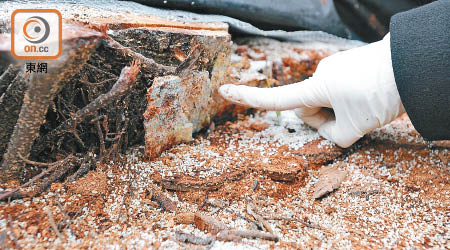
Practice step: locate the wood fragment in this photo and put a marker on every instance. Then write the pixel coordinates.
(185, 218)
(255, 185)
(165, 203)
(245, 217)
(190, 238)
(179, 54)
(259, 126)
(102, 149)
(279, 173)
(187, 183)
(208, 223)
(216, 203)
(330, 178)
(232, 235)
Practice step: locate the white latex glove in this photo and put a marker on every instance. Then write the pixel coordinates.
(358, 84)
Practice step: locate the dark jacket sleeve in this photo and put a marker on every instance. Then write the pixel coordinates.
(420, 50)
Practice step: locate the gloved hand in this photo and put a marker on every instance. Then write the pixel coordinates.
(358, 84)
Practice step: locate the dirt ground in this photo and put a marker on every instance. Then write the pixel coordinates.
(396, 193)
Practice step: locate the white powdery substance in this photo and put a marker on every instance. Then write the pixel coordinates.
(280, 134)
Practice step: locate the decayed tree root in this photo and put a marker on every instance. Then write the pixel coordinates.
(7, 77)
(40, 93)
(11, 101)
(36, 101)
(126, 80)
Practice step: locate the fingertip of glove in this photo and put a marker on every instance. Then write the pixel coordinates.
(230, 92)
(224, 90)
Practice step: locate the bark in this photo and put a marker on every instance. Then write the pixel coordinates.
(11, 102)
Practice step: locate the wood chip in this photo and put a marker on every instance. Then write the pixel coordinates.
(209, 224)
(259, 126)
(187, 183)
(279, 172)
(165, 203)
(330, 178)
(185, 218)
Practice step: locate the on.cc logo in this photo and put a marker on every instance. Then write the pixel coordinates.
(36, 29)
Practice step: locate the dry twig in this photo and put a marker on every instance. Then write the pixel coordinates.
(53, 224)
(102, 141)
(259, 218)
(13, 234)
(233, 211)
(67, 223)
(52, 166)
(304, 223)
(233, 235)
(190, 238)
(86, 163)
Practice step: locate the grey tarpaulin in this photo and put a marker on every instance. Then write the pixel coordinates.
(267, 14)
(68, 8)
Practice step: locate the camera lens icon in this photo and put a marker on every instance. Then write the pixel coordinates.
(36, 29)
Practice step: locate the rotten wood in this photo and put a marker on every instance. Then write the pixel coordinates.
(165, 203)
(209, 224)
(330, 178)
(185, 218)
(186, 184)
